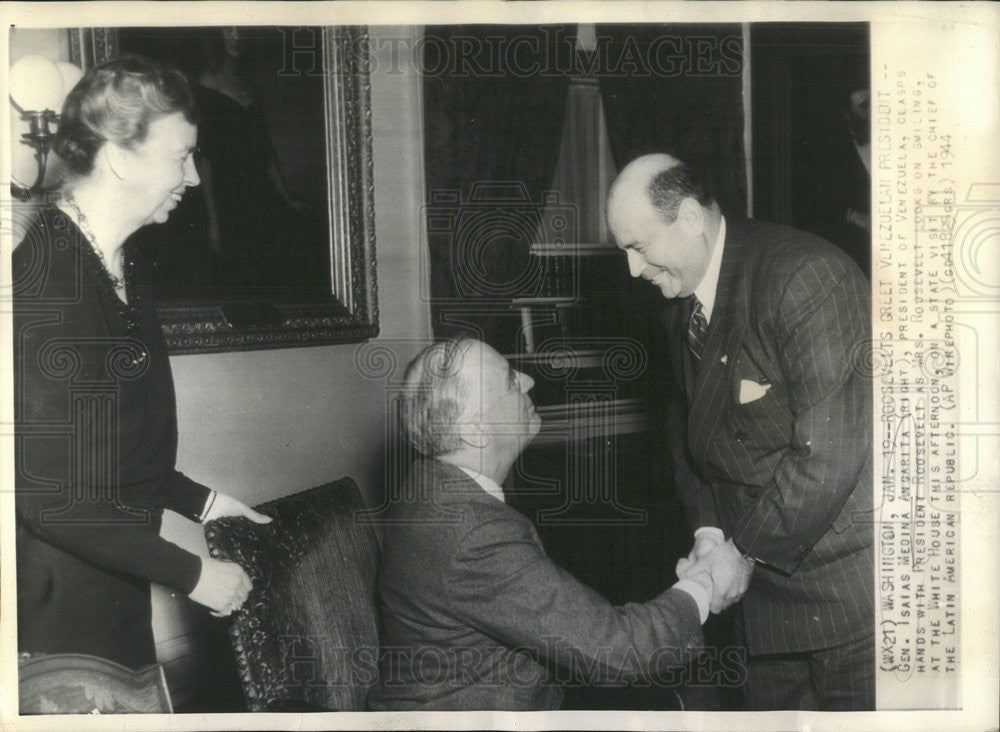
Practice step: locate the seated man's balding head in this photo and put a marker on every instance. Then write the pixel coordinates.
(463, 403)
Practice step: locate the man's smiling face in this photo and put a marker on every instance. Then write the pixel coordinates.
(674, 256)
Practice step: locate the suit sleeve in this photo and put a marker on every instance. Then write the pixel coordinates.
(822, 329)
(504, 584)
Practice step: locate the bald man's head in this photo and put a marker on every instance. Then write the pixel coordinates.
(661, 216)
(662, 180)
(634, 179)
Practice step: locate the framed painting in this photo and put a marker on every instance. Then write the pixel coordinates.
(276, 245)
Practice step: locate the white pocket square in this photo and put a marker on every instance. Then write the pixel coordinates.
(751, 391)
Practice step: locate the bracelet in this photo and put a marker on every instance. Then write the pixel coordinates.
(209, 502)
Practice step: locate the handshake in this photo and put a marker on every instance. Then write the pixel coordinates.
(718, 566)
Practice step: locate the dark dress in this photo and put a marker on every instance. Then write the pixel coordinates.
(96, 440)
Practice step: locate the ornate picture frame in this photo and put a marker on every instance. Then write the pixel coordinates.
(350, 313)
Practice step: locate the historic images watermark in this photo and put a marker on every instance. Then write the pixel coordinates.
(316, 661)
(556, 51)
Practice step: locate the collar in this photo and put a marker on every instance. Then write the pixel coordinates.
(705, 291)
(487, 484)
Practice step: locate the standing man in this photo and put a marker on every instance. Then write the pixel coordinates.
(770, 429)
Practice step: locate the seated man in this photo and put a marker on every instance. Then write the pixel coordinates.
(475, 615)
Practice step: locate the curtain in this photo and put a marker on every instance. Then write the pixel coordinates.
(677, 89)
(807, 171)
(494, 103)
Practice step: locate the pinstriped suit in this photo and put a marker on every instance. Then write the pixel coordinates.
(789, 475)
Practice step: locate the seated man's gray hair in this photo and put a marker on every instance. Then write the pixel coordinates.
(433, 395)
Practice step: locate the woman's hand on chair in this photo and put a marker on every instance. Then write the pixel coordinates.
(225, 505)
(223, 586)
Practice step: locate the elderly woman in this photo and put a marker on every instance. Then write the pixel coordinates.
(97, 425)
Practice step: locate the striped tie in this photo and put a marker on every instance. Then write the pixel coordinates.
(697, 331)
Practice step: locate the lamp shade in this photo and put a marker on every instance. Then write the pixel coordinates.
(36, 84)
(71, 74)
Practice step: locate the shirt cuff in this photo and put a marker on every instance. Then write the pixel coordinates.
(699, 593)
(713, 532)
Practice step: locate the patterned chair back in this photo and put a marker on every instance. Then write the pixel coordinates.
(307, 637)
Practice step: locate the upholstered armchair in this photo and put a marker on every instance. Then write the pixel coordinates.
(307, 637)
(75, 683)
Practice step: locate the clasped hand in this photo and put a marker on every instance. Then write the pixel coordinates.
(725, 564)
(224, 586)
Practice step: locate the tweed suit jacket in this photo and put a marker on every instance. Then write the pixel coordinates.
(476, 616)
(787, 475)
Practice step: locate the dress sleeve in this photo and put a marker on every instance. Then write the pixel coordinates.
(109, 536)
(183, 495)
(83, 517)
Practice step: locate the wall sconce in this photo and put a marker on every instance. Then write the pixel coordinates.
(38, 88)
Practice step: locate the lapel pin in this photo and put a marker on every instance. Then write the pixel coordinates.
(724, 360)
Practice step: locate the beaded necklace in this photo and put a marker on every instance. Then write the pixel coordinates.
(129, 311)
(88, 233)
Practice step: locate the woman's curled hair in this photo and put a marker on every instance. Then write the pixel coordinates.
(116, 102)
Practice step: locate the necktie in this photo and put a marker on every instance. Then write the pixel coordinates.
(697, 331)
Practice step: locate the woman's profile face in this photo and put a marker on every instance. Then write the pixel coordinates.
(161, 168)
